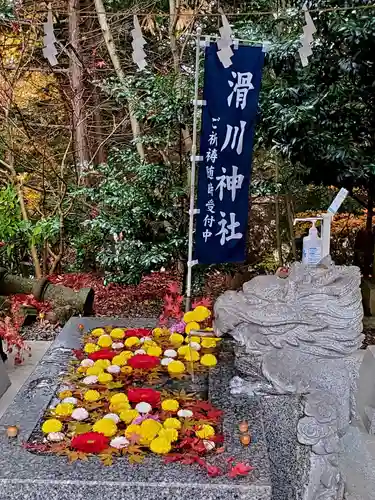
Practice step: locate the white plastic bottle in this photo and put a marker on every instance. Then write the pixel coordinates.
(312, 247)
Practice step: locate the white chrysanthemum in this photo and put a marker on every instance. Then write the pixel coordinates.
(143, 407)
(86, 363)
(71, 400)
(113, 369)
(143, 339)
(55, 437)
(117, 345)
(119, 442)
(90, 379)
(80, 414)
(195, 346)
(113, 416)
(170, 353)
(209, 445)
(140, 351)
(185, 413)
(166, 361)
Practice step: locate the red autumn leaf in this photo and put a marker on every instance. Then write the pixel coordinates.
(174, 288)
(240, 469)
(214, 471)
(100, 64)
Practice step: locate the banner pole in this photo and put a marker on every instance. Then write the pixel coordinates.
(193, 173)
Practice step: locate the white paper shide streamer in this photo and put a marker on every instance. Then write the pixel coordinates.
(139, 55)
(224, 43)
(49, 50)
(307, 38)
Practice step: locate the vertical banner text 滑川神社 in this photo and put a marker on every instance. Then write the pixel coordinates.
(226, 144)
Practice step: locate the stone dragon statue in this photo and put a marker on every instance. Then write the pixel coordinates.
(296, 335)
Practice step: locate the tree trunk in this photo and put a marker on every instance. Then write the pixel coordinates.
(76, 72)
(107, 35)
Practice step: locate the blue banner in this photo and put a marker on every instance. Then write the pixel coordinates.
(226, 145)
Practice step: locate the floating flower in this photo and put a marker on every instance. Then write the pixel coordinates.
(189, 317)
(201, 313)
(119, 442)
(185, 413)
(65, 394)
(119, 360)
(138, 332)
(208, 342)
(176, 339)
(103, 354)
(94, 370)
(117, 345)
(86, 363)
(117, 333)
(102, 363)
(81, 369)
(140, 395)
(55, 437)
(176, 367)
(105, 426)
(97, 332)
(170, 405)
(80, 414)
(90, 442)
(205, 431)
(144, 362)
(105, 378)
(193, 338)
(119, 407)
(120, 397)
(208, 360)
(128, 416)
(140, 351)
(178, 327)
(172, 423)
(149, 429)
(90, 348)
(131, 341)
(113, 369)
(158, 332)
(195, 346)
(105, 341)
(160, 445)
(127, 370)
(70, 400)
(154, 351)
(91, 379)
(92, 396)
(147, 416)
(183, 350)
(52, 425)
(170, 353)
(166, 361)
(170, 435)
(143, 407)
(192, 355)
(113, 416)
(193, 325)
(132, 430)
(64, 409)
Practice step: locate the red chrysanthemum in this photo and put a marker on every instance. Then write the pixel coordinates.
(144, 395)
(138, 332)
(90, 442)
(102, 354)
(144, 361)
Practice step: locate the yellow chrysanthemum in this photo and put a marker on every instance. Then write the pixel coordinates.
(158, 332)
(91, 395)
(209, 342)
(90, 348)
(52, 425)
(160, 445)
(149, 430)
(192, 355)
(120, 397)
(208, 360)
(193, 338)
(132, 341)
(64, 409)
(154, 351)
(105, 378)
(201, 313)
(170, 435)
(127, 370)
(94, 370)
(176, 367)
(189, 317)
(105, 426)
(183, 350)
(103, 363)
(65, 394)
(133, 429)
(119, 407)
(128, 416)
(105, 341)
(193, 325)
(170, 405)
(205, 431)
(172, 423)
(149, 343)
(117, 333)
(176, 339)
(119, 360)
(97, 332)
(127, 355)
(81, 369)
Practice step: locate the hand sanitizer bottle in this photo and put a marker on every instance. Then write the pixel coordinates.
(312, 247)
